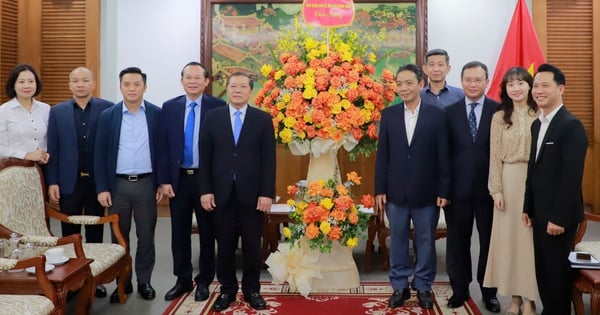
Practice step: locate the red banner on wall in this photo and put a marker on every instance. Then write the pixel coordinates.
(328, 13)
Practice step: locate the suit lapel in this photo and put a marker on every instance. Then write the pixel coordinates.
(551, 128)
(69, 121)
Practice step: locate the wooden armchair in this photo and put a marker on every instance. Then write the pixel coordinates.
(23, 210)
(32, 304)
(587, 280)
(383, 232)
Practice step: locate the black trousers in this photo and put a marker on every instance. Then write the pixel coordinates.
(83, 200)
(553, 269)
(186, 202)
(459, 220)
(233, 220)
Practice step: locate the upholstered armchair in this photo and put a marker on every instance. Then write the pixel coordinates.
(23, 210)
(32, 304)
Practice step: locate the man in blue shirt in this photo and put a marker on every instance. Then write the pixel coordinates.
(437, 92)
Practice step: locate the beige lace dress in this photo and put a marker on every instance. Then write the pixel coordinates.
(510, 264)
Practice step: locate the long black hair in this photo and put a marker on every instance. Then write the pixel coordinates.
(506, 104)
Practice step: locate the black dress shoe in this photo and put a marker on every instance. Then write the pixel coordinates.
(223, 302)
(201, 293)
(398, 298)
(114, 297)
(178, 290)
(492, 305)
(425, 299)
(146, 291)
(100, 291)
(256, 301)
(457, 300)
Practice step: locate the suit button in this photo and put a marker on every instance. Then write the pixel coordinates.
(234, 154)
(409, 156)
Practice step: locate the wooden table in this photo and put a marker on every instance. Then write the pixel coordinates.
(586, 281)
(69, 277)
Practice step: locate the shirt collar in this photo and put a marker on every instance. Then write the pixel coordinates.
(188, 101)
(142, 107)
(479, 101)
(445, 88)
(232, 109)
(406, 109)
(550, 115)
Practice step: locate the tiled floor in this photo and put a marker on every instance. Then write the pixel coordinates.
(163, 278)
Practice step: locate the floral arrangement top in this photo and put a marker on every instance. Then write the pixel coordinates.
(322, 92)
(325, 212)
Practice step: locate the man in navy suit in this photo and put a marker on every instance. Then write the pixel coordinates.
(177, 174)
(125, 160)
(469, 122)
(553, 196)
(412, 179)
(237, 148)
(71, 139)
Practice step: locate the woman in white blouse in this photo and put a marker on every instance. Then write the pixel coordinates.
(23, 120)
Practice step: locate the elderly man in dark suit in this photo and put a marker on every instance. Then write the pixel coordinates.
(237, 147)
(412, 179)
(178, 170)
(469, 122)
(125, 161)
(553, 196)
(71, 139)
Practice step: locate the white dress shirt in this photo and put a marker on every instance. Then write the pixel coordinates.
(23, 131)
(410, 121)
(545, 122)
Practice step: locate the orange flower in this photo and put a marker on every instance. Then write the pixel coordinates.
(335, 233)
(312, 231)
(338, 215)
(367, 201)
(353, 218)
(343, 202)
(292, 190)
(341, 189)
(353, 177)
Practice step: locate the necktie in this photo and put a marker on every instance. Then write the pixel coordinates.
(237, 126)
(473, 121)
(188, 147)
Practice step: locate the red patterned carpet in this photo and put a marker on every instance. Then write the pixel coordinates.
(369, 298)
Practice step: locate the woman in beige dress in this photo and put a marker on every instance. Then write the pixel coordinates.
(510, 265)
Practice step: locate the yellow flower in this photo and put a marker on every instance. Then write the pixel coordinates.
(266, 69)
(351, 242)
(280, 73)
(280, 105)
(310, 43)
(308, 118)
(287, 232)
(291, 202)
(289, 122)
(309, 92)
(372, 57)
(366, 115)
(346, 104)
(326, 203)
(280, 117)
(286, 135)
(301, 134)
(286, 97)
(337, 108)
(369, 105)
(325, 227)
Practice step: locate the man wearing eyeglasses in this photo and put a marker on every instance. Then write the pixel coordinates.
(469, 122)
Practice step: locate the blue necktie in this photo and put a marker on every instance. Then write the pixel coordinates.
(473, 121)
(237, 126)
(188, 147)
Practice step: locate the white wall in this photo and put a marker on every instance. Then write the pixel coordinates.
(161, 36)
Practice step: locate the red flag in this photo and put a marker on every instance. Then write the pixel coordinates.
(521, 48)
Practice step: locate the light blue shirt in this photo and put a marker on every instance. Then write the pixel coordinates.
(478, 108)
(133, 156)
(188, 107)
(446, 97)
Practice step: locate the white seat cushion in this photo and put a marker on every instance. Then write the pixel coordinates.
(592, 247)
(103, 254)
(25, 304)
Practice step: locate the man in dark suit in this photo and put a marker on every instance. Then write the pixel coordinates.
(469, 122)
(412, 179)
(71, 139)
(125, 160)
(237, 148)
(178, 166)
(553, 197)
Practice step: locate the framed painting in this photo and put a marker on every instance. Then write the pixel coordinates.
(238, 35)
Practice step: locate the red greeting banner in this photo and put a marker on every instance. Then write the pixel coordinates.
(328, 13)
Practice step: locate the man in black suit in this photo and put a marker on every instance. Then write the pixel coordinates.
(125, 161)
(469, 123)
(178, 175)
(553, 197)
(237, 148)
(71, 139)
(412, 179)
